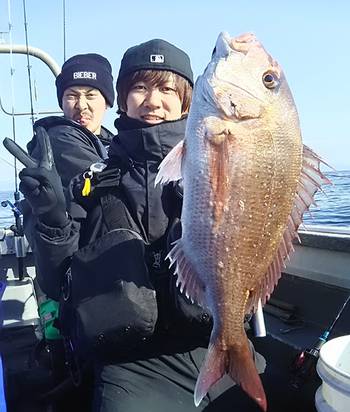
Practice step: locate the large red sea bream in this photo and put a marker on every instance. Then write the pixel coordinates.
(247, 181)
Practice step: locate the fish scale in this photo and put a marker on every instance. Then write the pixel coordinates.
(247, 181)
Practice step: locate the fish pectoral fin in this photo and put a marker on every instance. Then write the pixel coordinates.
(170, 168)
(219, 176)
(187, 279)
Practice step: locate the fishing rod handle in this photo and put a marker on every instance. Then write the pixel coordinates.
(258, 322)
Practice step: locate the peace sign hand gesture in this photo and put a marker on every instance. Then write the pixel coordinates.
(40, 183)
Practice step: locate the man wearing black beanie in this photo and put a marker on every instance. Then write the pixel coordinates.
(85, 91)
(125, 313)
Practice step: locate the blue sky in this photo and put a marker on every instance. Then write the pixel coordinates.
(310, 40)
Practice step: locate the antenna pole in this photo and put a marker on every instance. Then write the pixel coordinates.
(28, 63)
(64, 30)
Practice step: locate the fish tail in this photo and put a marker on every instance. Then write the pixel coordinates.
(239, 364)
(241, 368)
(211, 371)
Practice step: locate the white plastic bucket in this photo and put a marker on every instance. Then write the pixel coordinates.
(333, 367)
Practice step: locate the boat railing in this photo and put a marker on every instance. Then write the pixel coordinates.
(32, 51)
(323, 255)
(37, 53)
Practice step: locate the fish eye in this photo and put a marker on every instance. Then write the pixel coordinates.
(270, 80)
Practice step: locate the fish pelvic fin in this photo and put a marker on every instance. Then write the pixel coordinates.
(187, 279)
(170, 168)
(238, 362)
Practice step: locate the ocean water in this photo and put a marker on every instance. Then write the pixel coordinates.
(333, 206)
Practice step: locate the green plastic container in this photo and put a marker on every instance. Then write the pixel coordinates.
(48, 311)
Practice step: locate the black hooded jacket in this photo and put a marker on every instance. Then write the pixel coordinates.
(140, 148)
(135, 154)
(74, 147)
(152, 211)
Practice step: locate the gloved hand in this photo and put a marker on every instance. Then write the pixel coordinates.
(179, 189)
(101, 177)
(40, 183)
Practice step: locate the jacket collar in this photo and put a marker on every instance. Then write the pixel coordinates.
(143, 142)
(102, 141)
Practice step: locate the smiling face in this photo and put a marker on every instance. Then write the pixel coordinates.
(84, 105)
(154, 103)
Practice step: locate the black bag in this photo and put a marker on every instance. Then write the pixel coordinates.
(177, 314)
(107, 298)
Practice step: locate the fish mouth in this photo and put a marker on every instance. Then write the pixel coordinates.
(247, 41)
(243, 42)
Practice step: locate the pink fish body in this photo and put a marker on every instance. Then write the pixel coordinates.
(247, 181)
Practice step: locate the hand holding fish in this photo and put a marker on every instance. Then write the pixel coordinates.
(40, 183)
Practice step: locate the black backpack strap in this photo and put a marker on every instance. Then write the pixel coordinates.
(116, 214)
(115, 206)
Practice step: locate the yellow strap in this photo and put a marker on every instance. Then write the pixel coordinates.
(87, 187)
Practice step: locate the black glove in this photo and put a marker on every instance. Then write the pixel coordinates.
(101, 181)
(179, 189)
(40, 183)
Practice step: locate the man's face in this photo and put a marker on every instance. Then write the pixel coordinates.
(154, 104)
(85, 105)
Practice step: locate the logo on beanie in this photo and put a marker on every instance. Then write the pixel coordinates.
(84, 75)
(156, 58)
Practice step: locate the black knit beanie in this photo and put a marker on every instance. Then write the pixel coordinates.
(89, 69)
(156, 54)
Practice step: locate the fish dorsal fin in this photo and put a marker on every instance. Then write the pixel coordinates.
(187, 279)
(170, 168)
(311, 179)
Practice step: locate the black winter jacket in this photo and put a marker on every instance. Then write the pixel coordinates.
(134, 157)
(138, 151)
(74, 147)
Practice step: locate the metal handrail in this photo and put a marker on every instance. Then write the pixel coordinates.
(26, 113)
(35, 52)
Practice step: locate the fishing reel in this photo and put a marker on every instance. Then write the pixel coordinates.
(14, 209)
(17, 229)
(303, 368)
(20, 244)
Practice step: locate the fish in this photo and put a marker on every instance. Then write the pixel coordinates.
(247, 181)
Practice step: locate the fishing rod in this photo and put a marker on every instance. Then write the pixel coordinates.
(17, 228)
(304, 365)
